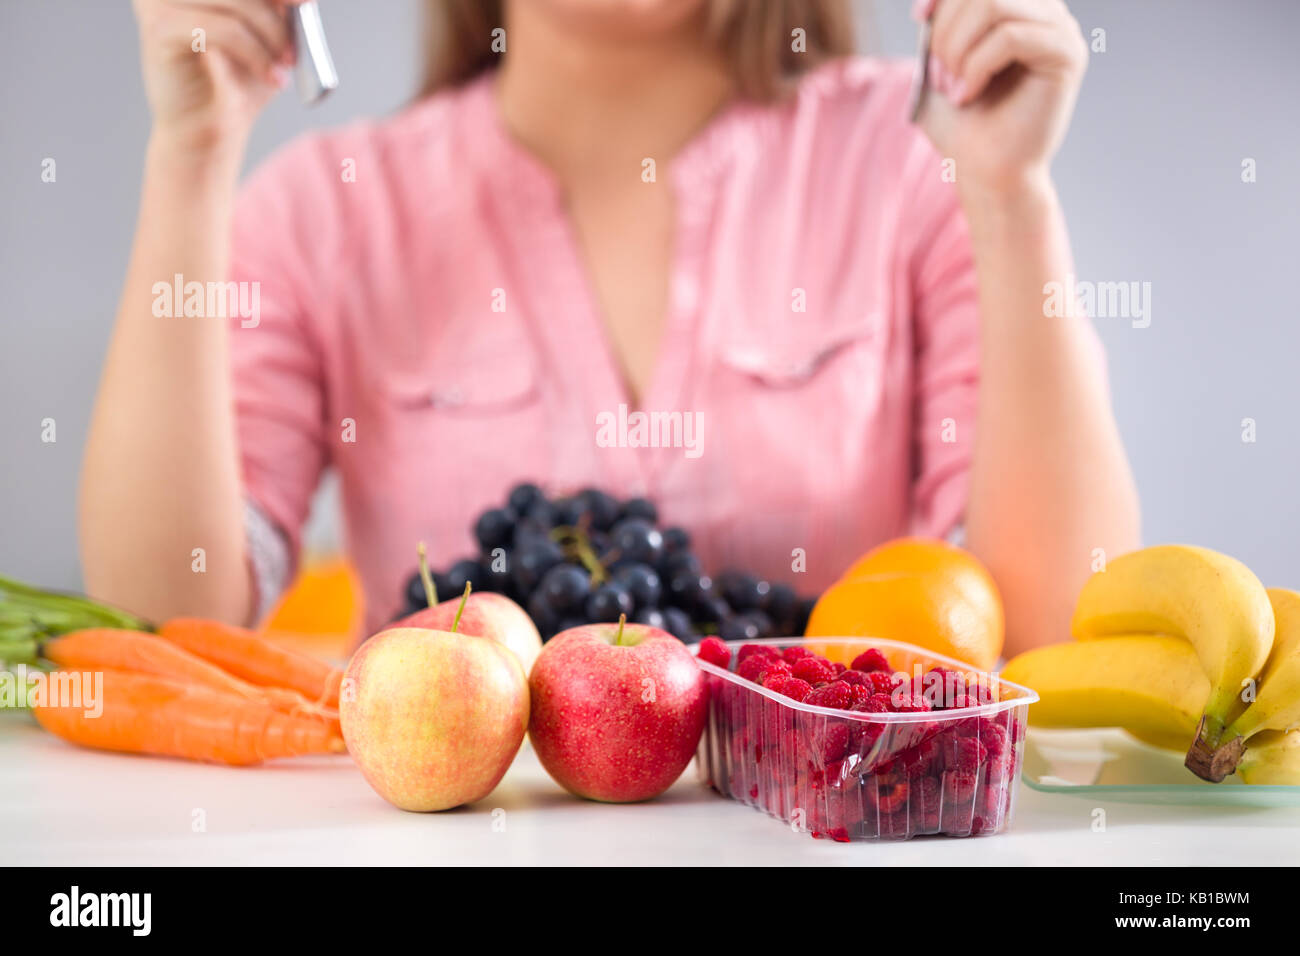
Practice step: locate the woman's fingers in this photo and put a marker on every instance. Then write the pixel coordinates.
(958, 25)
(1043, 47)
(267, 20)
(223, 34)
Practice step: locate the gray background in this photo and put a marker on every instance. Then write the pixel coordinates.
(1150, 177)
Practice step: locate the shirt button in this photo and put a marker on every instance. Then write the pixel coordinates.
(449, 397)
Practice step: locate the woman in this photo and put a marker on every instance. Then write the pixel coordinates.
(695, 207)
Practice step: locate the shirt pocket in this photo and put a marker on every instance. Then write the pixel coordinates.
(458, 431)
(790, 414)
(850, 353)
(471, 373)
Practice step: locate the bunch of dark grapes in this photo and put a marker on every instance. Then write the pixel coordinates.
(589, 558)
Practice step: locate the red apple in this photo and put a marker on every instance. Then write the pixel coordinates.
(433, 718)
(617, 710)
(488, 615)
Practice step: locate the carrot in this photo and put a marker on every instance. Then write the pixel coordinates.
(255, 659)
(101, 647)
(145, 714)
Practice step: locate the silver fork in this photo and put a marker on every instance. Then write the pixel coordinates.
(920, 74)
(314, 72)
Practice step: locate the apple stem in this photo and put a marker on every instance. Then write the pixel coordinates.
(460, 610)
(618, 638)
(430, 591)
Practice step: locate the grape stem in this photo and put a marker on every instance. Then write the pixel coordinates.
(578, 545)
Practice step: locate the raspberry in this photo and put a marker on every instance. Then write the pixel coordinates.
(994, 802)
(981, 690)
(1015, 730)
(796, 689)
(870, 660)
(882, 682)
(918, 761)
(887, 795)
(777, 666)
(854, 677)
(866, 734)
(958, 786)
(893, 826)
(861, 693)
(925, 803)
(964, 754)
(715, 652)
(749, 650)
(775, 680)
(753, 668)
(905, 703)
(875, 704)
(838, 696)
(792, 654)
(998, 769)
(814, 670)
(957, 813)
(953, 680)
(940, 686)
(993, 736)
(834, 743)
(839, 668)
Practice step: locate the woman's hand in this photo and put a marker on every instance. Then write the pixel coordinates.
(205, 89)
(1008, 74)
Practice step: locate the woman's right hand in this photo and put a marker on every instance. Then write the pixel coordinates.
(206, 88)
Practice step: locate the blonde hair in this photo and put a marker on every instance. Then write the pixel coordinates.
(757, 37)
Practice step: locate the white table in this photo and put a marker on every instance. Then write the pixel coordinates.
(67, 806)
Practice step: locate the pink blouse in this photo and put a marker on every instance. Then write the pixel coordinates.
(427, 328)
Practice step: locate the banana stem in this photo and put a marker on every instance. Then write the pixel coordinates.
(1208, 757)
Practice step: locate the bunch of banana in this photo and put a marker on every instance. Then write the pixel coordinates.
(1210, 600)
(1194, 650)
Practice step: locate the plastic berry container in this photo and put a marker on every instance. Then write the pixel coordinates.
(848, 776)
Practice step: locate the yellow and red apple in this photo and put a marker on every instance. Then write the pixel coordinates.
(433, 718)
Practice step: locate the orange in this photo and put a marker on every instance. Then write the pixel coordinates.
(321, 613)
(920, 591)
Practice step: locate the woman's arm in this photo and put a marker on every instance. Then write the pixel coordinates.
(160, 477)
(1050, 483)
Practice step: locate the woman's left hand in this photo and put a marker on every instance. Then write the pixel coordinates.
(1008, 74)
